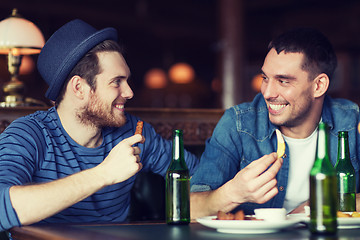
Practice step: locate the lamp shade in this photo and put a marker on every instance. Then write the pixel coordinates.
(21, 34)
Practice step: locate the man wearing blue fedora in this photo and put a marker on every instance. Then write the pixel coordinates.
(77, 162)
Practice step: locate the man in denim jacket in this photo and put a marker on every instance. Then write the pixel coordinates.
(239, 168)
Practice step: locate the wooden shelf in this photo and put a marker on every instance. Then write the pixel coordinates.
(197, 124)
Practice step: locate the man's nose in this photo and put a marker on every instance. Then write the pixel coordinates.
(269, 89)
(126, 91)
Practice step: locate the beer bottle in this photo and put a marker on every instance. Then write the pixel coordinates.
(177, 184)
(323, 193)
(346, 182)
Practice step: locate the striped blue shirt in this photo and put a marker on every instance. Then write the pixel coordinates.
(37, 149)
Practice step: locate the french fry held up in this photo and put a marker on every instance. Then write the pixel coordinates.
(280, 144)
(139, 127)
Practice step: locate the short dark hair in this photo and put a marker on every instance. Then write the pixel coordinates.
(88, 67)
(319, 55)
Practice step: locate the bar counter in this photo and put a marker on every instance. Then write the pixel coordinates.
(158, 231)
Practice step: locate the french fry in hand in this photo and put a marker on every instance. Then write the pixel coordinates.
(139, 127)
(280, 144)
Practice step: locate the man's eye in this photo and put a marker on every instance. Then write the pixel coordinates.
(117, 82)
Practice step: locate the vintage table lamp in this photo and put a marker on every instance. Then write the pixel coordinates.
(18, 37)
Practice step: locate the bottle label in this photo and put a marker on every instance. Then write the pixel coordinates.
(177, 197)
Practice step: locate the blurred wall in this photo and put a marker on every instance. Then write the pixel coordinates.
(159, 33)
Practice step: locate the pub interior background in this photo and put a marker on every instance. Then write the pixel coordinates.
(224, 41)
(209, 35)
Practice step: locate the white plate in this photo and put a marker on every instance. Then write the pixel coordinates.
(246, 226)
(343, 223)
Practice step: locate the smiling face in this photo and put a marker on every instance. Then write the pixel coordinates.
(287, 90)
(106, 104)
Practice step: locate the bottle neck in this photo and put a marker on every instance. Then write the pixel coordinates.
(178, 147)
(178, 160)
(322, 162)
(343, 148)
(322, 144)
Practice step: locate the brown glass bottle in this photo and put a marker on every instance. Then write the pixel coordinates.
(177, 184)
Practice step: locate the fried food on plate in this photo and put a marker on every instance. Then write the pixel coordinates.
(348, 214)
(230, 216)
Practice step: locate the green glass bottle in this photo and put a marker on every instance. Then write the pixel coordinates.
(346, 182)
(323, 188)
(177, 184)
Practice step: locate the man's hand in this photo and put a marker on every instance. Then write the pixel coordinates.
(123, 161)
(257, 182)
(33, 203)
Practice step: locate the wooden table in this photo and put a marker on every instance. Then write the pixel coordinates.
(158, 231)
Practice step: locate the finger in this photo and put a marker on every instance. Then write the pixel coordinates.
(137, 150)
(257, 167)
(140, 166)
(264, 162)
(264, 193)
(267, 180)
(269, 174)
(133, 139)
(268, 195)
(267, 187)
(274, 169)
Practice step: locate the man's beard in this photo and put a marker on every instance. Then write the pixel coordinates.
(98, 114)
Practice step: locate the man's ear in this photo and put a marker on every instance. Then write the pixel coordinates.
(78, 86)
(321, 85)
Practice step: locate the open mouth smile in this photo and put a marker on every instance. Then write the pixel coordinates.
(276, 108)
(120, 106)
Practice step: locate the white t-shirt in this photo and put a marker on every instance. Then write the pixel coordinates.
(302, 157)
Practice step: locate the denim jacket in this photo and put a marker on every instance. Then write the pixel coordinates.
(244, 134)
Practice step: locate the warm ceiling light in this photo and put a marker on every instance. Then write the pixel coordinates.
(181, 73)
(256, 82)
(155, 78)
(27, 65)
(18, 37)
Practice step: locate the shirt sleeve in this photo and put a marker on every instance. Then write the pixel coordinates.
(16, 168)
(221, 158)
(9, 217)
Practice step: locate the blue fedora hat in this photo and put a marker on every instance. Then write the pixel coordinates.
(65, 48)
